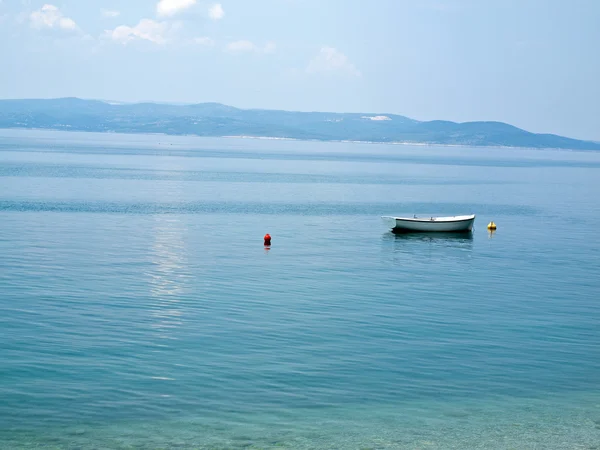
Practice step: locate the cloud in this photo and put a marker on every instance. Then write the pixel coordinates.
(242, 46)
(146, 30)
(50, 17)
(204, 41)
(330, 59)
(270, 47)
(107, 13)
(168, 8)
(245, 46)
(215, 12)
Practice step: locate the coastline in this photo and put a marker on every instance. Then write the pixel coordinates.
(277, 138)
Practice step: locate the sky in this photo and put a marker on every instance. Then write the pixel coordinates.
(531, 63)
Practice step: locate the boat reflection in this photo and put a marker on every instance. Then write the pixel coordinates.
(414, 249)
(433, 236)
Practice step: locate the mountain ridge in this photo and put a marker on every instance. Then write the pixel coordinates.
(216, 119)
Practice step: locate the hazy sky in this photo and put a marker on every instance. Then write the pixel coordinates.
(531, 63)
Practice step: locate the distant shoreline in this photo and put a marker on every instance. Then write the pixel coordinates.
(218, 120)
(276, 138)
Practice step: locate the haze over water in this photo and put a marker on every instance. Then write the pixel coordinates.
(139, 308)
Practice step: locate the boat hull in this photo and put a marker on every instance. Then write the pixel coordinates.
(433, 224)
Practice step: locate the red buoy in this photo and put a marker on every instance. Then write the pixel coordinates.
(267, 239)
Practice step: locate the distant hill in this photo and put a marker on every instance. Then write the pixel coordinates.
(214, 119)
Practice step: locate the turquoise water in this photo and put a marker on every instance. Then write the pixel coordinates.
(139, 308)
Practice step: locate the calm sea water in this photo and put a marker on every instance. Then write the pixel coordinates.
(139, 308)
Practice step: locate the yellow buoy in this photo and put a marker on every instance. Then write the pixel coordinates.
(491, 226)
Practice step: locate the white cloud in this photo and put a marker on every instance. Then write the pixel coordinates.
(108, 13)
(147, 30)
(330, 59)
(270, 47)
(244, 46)
(168, 8)
(215, 12)
(204, 41)
(50, 17)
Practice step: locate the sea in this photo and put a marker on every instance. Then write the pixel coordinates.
(139, 308)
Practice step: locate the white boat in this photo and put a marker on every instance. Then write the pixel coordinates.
(446, 224)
